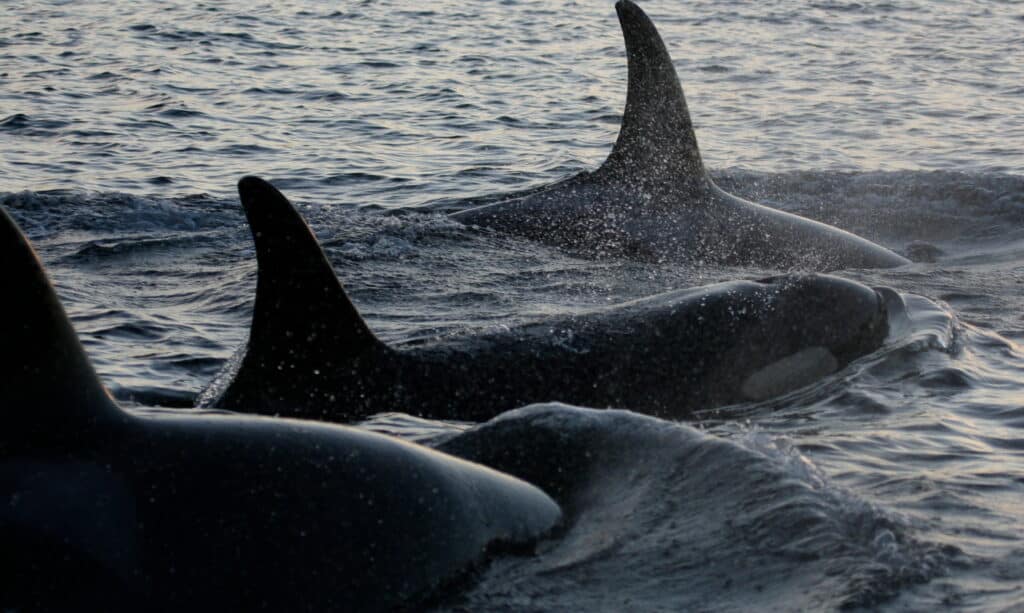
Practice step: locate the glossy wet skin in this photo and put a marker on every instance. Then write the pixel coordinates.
(238, 513)
(681, 224)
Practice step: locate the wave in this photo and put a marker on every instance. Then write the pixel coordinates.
(663, 516)
(47, 213)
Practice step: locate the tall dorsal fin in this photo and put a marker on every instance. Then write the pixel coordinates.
(47, 384)
(656, 139)
(301, 307)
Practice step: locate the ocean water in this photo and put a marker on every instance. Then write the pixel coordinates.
(897, 483)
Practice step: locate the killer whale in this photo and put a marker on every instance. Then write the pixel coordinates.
(310, 354)
(652, 197)
(109, 510)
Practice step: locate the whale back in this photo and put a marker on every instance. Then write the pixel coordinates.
(47, 385)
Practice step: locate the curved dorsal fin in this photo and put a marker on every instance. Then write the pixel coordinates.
(656, 139)
(47, 384)
(301, 308)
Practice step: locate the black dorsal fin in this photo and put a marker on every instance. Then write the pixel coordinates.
(47, 385)
(656, 140)
(302, 314)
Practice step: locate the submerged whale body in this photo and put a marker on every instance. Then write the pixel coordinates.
(310, 353)
(106, 510)
(652, 197)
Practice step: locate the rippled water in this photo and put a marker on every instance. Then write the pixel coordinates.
(896, 483)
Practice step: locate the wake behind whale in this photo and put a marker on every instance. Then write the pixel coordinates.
(652, 198)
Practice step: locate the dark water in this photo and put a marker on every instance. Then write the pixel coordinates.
(896, 483)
